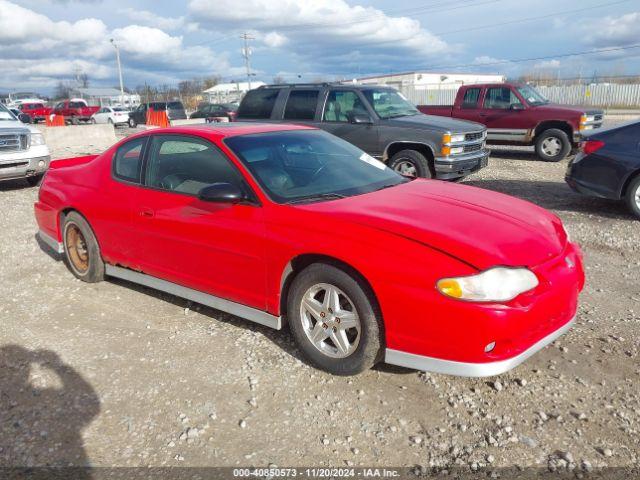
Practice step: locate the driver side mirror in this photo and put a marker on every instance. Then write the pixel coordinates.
(222, 193)
(360, 118)
(516, 106)
(24, 118)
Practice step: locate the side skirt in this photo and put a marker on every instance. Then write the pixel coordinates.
(249, 313)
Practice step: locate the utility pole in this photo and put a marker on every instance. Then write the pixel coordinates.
(246, 53)
(115, 45)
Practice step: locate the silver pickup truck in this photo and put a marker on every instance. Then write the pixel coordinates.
(378, 120)
(23, 152)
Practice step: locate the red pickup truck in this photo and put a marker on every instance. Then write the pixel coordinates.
(517, 114)
(37, 111)
(75, 110)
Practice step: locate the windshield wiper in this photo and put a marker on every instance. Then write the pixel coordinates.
(319, 196)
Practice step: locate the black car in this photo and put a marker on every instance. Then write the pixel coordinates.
(211, 111)
(175, 111)
(378, 120)
(608, 166)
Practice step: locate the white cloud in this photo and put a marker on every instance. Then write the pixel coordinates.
(548, 65)
(613, 31)
(273, 39)
(150, 19)
(310, 25)
(34, 46)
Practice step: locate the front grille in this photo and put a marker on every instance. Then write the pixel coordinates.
(13, 164)
(14, 142)
(472, 148)
(470, 137)
(598, 118)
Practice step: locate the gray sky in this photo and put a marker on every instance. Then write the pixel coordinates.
(44, 41)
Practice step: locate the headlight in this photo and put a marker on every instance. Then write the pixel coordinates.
(37, 139)
(499, 284)
(449, 138)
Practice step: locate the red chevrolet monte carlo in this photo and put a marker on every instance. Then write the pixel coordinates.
(279, 223)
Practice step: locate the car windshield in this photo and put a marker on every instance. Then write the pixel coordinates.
(118, 109)
(531, 95)
(5, 114)
(310, 165)
(389, 103)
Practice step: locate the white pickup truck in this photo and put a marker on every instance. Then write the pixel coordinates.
(23, 153)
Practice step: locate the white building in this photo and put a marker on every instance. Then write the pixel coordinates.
(229, 92)
(429, 80)
(107, 97)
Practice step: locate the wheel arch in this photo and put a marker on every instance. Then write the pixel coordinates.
(66, 211)
(550, 124)
(632, 176)
(302, 261)
(395, 147)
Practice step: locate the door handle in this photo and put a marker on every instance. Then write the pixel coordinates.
(146, 213)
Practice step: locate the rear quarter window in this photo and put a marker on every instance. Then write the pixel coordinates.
(127, 161)
(258, 103)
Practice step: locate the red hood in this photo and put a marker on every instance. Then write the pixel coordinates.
(481, 227)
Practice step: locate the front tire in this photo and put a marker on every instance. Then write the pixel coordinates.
(81, 250)
(411, 163)
(35, 180)
(334, 320)
(632, 199)
(552, 145)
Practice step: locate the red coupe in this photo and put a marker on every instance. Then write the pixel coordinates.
(279, 223)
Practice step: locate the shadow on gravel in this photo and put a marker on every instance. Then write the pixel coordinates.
(10, 185)
(526, 155)
(555, 196)
(44, 406)
(281, 338)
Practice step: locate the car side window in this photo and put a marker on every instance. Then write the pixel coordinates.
(470, 99)
(184, 164)
(341, 105)
(301, 105)
(500, 98)
(127, 162)
(258, 103)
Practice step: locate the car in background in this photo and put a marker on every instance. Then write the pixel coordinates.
(608, 166)
(175, 111)
(75, 110)
(287, 223)
(516, 114)
(211, 112)
(38, 112)
(113, 115)
(378, 120)
(23, 152)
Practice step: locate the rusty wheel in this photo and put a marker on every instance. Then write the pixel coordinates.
(77, 248)
(82, 253)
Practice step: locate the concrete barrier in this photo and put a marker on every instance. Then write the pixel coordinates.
(76, 140)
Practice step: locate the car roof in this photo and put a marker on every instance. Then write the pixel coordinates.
(355, 86)
(229, 129)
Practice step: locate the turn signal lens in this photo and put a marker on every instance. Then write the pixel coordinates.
(446, 138)
(499, 284)
(592, 146)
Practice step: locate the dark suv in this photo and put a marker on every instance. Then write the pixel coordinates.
(175, 111)
(380, 121)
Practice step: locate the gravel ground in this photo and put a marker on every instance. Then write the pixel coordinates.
(113, 374)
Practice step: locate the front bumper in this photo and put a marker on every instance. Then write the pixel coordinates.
(460, 166)
(23, 167)
(467, 369)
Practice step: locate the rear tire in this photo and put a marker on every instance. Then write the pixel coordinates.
(132, 123)
(632, 199)
(411, 163)
(344, 334)
(553, 145)
(81, 250)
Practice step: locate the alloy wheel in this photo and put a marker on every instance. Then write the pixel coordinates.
(551, 146)
(406, 168)
(330, 320)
